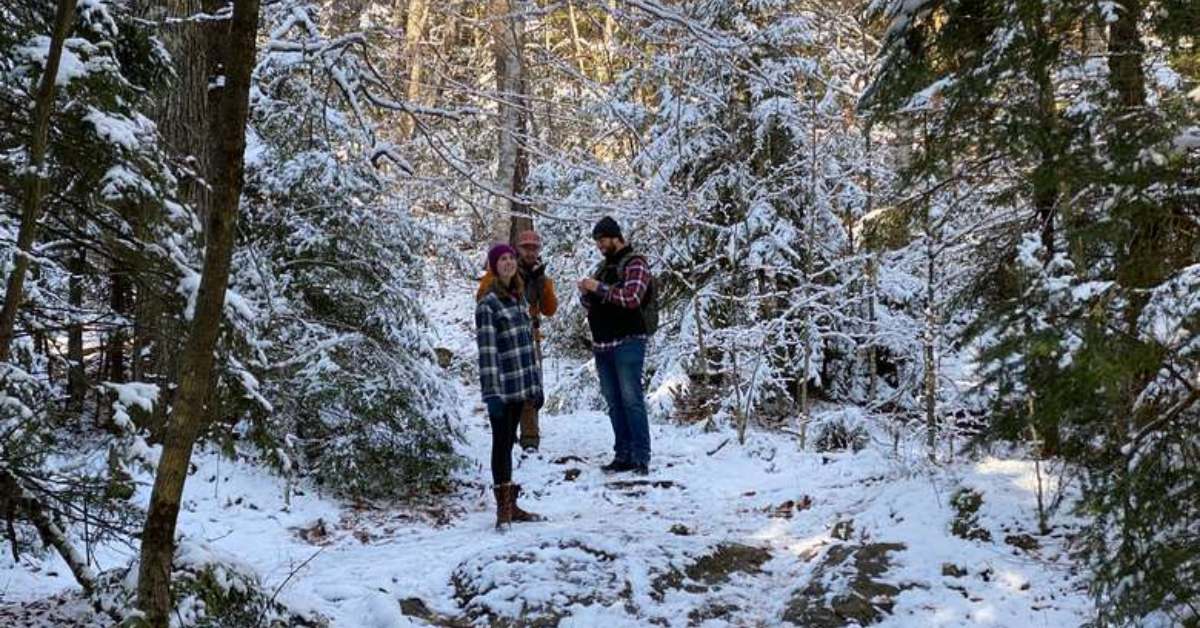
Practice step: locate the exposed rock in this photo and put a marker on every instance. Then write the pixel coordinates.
(843, 530)
(416, 607)
(953, 571)
(680, 530)
(445, 357)
(711, 569)
(864, 597)
(566, 573)
(571, 474)
(729, 558)
(709, 612)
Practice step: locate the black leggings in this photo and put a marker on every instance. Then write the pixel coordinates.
(504, 435)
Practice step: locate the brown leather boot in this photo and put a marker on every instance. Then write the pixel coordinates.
(519, 515)
(505, 502)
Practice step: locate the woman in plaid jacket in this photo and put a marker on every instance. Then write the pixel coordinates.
(509, 372)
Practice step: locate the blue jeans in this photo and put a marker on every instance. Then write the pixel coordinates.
(620, 372)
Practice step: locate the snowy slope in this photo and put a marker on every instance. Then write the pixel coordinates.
(607, 554)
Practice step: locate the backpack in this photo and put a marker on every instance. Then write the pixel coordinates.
(649, 306)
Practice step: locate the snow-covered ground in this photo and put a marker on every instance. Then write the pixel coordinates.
(623, 550)
(720, 533)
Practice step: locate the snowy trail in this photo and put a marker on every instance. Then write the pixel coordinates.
(622, 550)
(730, 497)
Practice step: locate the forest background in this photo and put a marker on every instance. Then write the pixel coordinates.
(977, 220)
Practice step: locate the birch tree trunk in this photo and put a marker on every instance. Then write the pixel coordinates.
(508, 29)
(35, 177)
(189, 414)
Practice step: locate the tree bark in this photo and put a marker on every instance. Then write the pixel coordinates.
(189, 414)
(114, 370)
(414, 32)
(76, 371)
(1125, 52)
(35, 178)
(872, 278)
(1045, 174)
(183, 115)
(610, 30)
(508, 27)
(931, 332)
(575, 43)
(928, 342)
(522, 216)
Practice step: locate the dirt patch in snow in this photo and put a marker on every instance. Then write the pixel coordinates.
(847, 587)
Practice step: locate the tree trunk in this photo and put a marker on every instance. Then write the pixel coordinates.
(35, 177)
(872, 272)
(183, 111)
(182, 115)
(1125, 51)
(610, 29)
(114, 370)
(414, 32)
(929, 341)
(575, 43)
(76, 371)
(189, 414)
(522, 215)
(508, 27)
(1045, 175)
(930, 335)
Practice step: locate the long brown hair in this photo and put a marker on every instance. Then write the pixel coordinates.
(516, 286)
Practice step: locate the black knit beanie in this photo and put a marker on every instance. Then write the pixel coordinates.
(606, 228)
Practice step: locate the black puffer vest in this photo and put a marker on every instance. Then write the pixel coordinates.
(608, 321)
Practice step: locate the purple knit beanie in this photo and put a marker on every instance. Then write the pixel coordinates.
(495, 252)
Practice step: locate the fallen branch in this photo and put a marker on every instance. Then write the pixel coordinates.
(719, 447)
(279, 588)
(12, 489)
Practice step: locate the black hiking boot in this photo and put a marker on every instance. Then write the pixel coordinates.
(640, 469)
(617, 466)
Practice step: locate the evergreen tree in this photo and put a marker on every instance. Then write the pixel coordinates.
(105, 171)
(1076, 115)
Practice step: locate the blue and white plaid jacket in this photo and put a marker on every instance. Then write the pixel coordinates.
(509, 366)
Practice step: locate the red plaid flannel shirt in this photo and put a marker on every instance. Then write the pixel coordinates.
(629, 295)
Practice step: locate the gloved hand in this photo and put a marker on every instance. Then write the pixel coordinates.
(539, 400)
(495, 408)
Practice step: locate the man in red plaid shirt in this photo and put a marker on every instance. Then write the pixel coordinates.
(614, 297)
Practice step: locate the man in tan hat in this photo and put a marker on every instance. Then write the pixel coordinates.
(539, 292)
